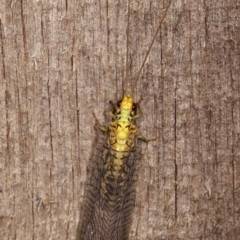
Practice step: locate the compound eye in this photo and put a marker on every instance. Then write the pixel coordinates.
(119, 103)
(134, 108)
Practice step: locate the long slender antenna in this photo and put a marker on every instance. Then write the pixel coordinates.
(149, 49)
(127, 67)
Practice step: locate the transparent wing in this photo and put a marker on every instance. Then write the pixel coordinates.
(111, 194)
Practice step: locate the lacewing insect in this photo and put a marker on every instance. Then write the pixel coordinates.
(111, 194)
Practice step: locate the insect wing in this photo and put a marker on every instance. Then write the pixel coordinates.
(111, 195)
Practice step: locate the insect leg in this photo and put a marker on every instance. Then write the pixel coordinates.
(113, 116)
(142, 138)
(114, 112)
(103, 128)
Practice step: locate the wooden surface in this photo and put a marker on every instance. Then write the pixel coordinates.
(60, 61)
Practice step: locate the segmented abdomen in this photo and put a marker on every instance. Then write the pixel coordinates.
(110, 197)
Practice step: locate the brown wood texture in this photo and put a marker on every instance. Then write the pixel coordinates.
(60, 61)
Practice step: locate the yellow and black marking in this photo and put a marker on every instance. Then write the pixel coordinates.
(111, 197)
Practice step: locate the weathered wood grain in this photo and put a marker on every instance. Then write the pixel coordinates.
(60, 61)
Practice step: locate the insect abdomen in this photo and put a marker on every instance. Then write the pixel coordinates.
(116, 197)
(110, 201)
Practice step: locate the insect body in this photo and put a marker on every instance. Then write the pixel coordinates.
(107, 214)
(111, 194)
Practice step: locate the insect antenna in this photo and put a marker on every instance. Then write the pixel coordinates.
(149, 49)
(126, 82)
